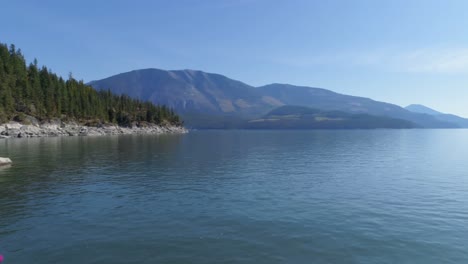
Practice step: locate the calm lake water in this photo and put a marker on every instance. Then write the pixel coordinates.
(378, 196)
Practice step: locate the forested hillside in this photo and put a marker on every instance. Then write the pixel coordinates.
(299, 117)
(36, 91)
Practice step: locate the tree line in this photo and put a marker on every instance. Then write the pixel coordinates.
(38, 92)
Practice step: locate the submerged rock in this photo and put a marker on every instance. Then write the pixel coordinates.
(5, 161)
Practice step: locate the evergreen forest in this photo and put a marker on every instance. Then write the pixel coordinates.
(31, 90)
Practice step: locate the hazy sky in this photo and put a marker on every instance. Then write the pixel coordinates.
(399, 51)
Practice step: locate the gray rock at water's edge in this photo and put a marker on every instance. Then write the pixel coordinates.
(56, 128)
(5, 161)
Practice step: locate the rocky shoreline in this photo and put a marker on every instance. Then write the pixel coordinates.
(56, 129)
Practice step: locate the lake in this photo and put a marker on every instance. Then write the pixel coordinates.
(348, 196)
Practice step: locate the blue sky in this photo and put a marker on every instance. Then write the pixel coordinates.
(399, 51)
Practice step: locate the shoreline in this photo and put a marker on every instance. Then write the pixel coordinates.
(62, 129)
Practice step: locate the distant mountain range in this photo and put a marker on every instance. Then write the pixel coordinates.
(207, 100)
(459, 121)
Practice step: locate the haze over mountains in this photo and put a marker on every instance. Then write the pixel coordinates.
(459, 121)
(202, 97)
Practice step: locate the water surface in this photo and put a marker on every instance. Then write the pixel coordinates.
(363, 196)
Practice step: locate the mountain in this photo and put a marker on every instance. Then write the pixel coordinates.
(327, 100)
(189, 91)
(417, 108)
(215, 101)
(459, 121)
(299, 117)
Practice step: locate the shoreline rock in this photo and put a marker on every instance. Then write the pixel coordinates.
(58, 128)
(5, 161)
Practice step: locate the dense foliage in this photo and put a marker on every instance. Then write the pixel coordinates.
(30, 90)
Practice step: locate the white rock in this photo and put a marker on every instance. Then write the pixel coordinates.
(5, 161)
(14, 129)
(13, 125)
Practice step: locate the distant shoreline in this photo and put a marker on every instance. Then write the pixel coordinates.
(64, 129)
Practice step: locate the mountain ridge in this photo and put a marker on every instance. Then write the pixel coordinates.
(459, 121)
(419, 108)
(189, 90)
(192, 92)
